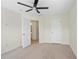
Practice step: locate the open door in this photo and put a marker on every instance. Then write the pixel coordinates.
(26, 32)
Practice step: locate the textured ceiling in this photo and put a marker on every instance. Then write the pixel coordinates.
(56, 7)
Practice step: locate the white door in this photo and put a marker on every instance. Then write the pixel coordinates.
(25, 32)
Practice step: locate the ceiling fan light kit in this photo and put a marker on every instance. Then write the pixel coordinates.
(34, 6)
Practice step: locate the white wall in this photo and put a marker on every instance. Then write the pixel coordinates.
(73, 28)
(10, 30)
(54, 29)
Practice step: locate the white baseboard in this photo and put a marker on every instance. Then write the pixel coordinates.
(8, 50)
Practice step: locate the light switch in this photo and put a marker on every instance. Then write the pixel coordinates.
(6, 24)
(23, 33)
(52, 32)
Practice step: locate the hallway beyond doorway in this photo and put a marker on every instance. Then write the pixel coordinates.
(34, 41)
(34, 32)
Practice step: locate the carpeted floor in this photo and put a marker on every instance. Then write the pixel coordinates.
(41, 51)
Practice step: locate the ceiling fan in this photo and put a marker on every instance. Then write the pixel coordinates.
(34, 6)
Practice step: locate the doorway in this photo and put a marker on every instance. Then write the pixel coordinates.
(34, 32)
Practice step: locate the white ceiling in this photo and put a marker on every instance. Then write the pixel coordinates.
(55, 6)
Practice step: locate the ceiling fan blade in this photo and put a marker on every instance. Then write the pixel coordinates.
(35, 3)
(37, 11)
(24, 4)
(29, 10)
(41, 7)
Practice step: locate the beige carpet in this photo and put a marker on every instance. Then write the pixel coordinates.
(41, 51)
